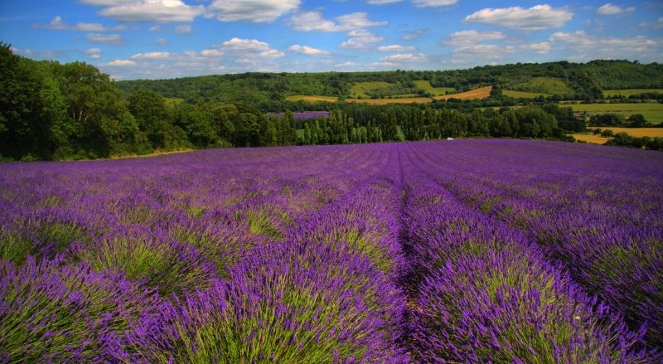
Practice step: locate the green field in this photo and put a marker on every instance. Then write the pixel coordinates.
(546, 85)
(435, 91)
(652, 111)
(359, 89)
(631, 92)
(523, 94)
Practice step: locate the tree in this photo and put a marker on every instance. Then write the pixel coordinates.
(149, 109)
(637, 121)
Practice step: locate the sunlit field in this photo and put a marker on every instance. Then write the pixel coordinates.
(468, 251)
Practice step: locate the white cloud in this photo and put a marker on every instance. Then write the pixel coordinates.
(251, 45)
(310, 51)
(535, 18)
(360, 39)
(159, 11)
(119, 63)
(432, 3)
(313, 21)
(58, 24)
(114, 39)
(272, 53)
(406, 57)
(659, 23)
(609, 9)
(211, 53)
(538, 48)
(93, 53)
(162, 41)
(585, 47)
(151, 55)
(257, 11)
(395, 48)
(467, 37)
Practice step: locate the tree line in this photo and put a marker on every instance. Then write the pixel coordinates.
(53, 111)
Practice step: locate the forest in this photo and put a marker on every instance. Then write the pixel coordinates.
(54, 111)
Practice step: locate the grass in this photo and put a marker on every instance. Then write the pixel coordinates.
(652, 111)
(548, 85)
(435, 91)
(477, 94)
(312, 98)
(631, 92)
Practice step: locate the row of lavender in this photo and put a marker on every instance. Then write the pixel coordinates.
(296, 255)
(487, 294)
(238, 256)
(596, 212)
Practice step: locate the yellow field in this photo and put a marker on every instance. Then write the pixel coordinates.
(313, 98)
(636, 132)
(407, 100)
(478, 94)
(590, 138)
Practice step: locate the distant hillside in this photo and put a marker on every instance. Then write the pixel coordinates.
(269, 90)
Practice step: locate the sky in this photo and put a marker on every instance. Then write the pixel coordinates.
(162, 39)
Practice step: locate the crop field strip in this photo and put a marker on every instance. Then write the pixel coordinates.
(465, 251)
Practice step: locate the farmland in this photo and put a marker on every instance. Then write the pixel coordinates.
(464, 251)
(652, 111)
(477, 94)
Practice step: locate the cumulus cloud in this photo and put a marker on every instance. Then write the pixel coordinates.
(309, 51)
(467, 37)
(238, 44)
(401, 60)
(538, 48)
(113, 39)
(93, 53)
(395, 48)
(313, 21)
(151, 55)
(361, 39)
(257, 11)
(586, 47)
(609, 9)
(159, 11)
(433, 3)
(272, 53)
(535, 18)
(119, 63)
(58, 24)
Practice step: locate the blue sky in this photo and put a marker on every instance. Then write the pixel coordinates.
(131, 39)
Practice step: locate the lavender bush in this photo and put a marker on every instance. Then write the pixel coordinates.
(471, 250)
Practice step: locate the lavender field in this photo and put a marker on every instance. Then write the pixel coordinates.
(505, 251)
